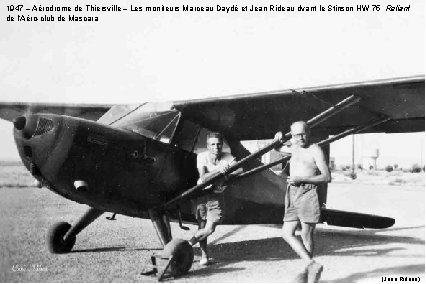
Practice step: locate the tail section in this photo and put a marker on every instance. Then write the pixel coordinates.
(355, 220)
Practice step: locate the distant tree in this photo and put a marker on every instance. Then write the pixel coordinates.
(343, 167)
(415, 168)
(359, 166)
(388, 168)
(395, 166)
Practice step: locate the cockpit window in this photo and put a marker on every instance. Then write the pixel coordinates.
(116, 113)
(154, 121)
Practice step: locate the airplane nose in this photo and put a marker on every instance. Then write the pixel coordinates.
(33, 126)
(27, 124)
(19, 122)
(35, 139)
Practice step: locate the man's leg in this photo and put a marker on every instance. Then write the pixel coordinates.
(201, 237)
(200, 215)
(289, 229)
(308, 237)
(314, 268)
(203, 233)
(203, 243)
(203, 247)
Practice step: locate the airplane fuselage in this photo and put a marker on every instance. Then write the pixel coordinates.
(123, 171)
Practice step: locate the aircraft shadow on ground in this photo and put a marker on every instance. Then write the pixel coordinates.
(102, 249)
(208, 270)
(116, 248)
(350, 243)
(328, 242)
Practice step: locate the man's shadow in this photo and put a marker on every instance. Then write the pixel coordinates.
(328, 242)
(347, 241)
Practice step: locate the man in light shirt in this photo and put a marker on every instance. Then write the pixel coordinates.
(208, 209)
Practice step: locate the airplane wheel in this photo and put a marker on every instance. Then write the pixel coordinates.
(183, 256)
(55, 238)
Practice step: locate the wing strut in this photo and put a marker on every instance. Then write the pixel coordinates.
(333, 110)
(321, 143)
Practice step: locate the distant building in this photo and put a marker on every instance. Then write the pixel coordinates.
(332, 163)
(369, 159)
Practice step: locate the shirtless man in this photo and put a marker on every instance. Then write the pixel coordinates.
(208, 211)
(308, 169)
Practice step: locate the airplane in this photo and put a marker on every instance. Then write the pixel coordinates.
(140, 160)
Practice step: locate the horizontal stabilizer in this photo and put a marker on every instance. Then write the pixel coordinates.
(355, 220)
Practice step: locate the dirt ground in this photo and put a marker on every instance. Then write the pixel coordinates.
(116, 251)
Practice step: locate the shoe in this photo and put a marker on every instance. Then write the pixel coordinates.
(314, 272)
(204, 261)
(302, 277)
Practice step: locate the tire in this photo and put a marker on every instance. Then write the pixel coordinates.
(55, 238)
(182, 256)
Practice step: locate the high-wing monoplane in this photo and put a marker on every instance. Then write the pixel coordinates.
(140, 160)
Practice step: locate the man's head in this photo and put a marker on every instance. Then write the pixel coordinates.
(215, 143)
(300, 133)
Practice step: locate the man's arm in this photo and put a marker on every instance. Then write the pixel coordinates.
(234, 173)
(285, 147)
(204, 175)
(202, 169)
(323, 177)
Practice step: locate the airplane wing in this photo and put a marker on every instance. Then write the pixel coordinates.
(261, 115)
(10, 111)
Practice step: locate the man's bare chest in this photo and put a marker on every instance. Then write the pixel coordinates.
(302, 157)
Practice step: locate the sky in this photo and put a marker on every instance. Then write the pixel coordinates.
(132, 57)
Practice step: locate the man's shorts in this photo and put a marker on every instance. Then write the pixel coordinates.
(301, 203)
(209, 209)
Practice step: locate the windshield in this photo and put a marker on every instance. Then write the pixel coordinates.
(155, 121)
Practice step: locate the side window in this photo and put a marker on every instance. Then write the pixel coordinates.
(201, 144)
(166, 134)
(187, 135)
(192, 137)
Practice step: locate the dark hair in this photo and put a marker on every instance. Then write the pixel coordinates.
(215, 135)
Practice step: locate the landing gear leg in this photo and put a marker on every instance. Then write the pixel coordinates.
(61, 236)
(161, 224)
(177, 253)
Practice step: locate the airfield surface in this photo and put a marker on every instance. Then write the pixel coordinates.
(116, 251)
